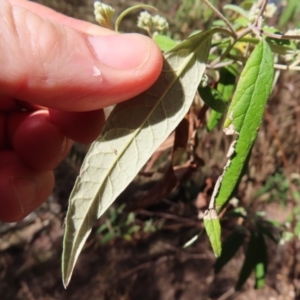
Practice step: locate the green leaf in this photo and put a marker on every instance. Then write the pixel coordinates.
(227, 80)
(213, 230)
(226, 87)
(229, 248)
(292, 8)
(247, 5)
(164, 42)
(249, 262)
(245, 115)
(212, 98)
(266, 227)
(236, 9)
(213, 120)
(261, 263)
(132, 133)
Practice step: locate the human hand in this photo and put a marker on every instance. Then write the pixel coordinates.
(57, 73)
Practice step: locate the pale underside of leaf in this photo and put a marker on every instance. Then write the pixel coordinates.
(133, 131)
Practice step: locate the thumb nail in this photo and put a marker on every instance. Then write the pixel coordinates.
(121, 51)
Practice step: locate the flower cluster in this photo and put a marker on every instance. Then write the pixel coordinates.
(151, 23)
(103, 13)
(269, 12)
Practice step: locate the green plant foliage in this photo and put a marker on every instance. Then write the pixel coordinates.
(212, 98)
(237, 9)
(230, 246)
(164, 42)
(213, 230)
(256, 259)
(292, 9)
(245, 114)
(226, 86)
(131, 134)
(249, 262)
(261, 262)
(136, 128)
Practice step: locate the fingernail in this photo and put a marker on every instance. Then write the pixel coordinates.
(26, 190)
(121, 51)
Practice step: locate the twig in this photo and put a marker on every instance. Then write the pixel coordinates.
(221, 65)
(258, 21)
(285, 67)
(227, 294)
(166, 216)
(280, 36)
(219, 14)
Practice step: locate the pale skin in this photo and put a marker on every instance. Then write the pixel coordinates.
(56, 75)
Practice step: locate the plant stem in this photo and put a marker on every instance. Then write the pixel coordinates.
(219, 14)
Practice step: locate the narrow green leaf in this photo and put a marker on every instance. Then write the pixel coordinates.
(261, 264)
(245, 115)
(249, 262)
(266, 228)
(227, 80)
(236, 9)
(164, 42)
(225, 87)
(212, 98)
(132, 133)
(292, 8)
(213, 230)
(247, 4)
(213, 120)
(229, 248)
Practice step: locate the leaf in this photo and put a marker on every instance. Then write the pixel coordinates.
(236, 9)
(266, 228)
(261, 263)
(180, 141)
(132, 133)
(226, 87)
(229, 248)
(213, 120)
(212, 98)
(164, 42)
(249, 262)
(213, 230)
(245, 115)
(292, 8)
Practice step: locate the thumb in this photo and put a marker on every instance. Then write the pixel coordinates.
(45, 62)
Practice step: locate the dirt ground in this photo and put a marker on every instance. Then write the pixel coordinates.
(154, 265)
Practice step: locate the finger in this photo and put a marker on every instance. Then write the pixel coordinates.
(48, 13)
(56, 66)
(22, 189)
(82, 127)
(39, 143)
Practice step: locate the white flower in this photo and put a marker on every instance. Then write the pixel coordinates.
(270, 11)
(103, 13)
(144, 20)
(160, 23)
(152, 23)
(295, 31)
